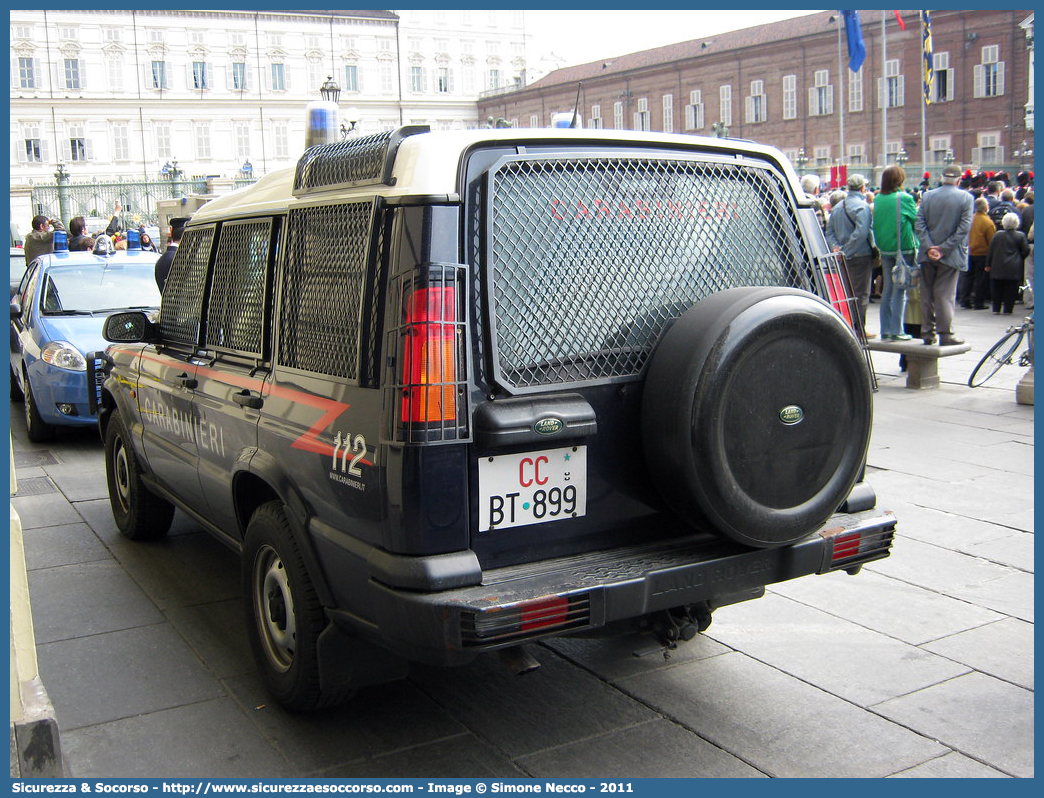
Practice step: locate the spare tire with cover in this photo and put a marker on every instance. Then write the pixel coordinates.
(756, 414)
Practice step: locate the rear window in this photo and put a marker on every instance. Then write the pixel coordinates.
(589, 259)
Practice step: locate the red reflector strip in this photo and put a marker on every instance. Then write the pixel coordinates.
(538, 614)
(837, 296)
(846, 546)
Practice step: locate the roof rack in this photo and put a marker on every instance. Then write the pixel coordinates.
(359, 161)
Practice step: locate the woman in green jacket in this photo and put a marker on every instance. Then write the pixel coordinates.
(894, 232)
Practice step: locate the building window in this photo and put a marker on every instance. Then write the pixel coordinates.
(822, 156)
(668, 113)
(694, 111)
(22, 32)
(275, 40)
(235, 38)
(239, 76)
(891, 88)
(494, 79)
(641, 116)
(756, 103)
(278, 77)
(72, 73)
(989, 75)
(162, 139)
(351, 77)
(939, 148)
(855, 90)
(534, 120)
(77, 143)
(855, 154)
(242, 135)
(492, 48)
(199, 75)
(442, 45)
(384, 45)
(114, 65)
(417, 79)
(33, 146)
(821, 95)
(943, 81)
(279, 133)
(989, 150)
(156, 36)
(67, 33)
(445, 80)
(790, 96)
(467, 47)
(120, 141)
(596, 117)
(618, 116)
(27, 73)
(197, 36)
(387, 80)
(159, 75)
(892, 151)
(414, 44)
(202, 139)
(725, 100)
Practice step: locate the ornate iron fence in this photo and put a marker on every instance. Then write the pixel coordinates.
(137, 198)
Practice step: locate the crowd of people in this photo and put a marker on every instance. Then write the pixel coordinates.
(921, 252)
(40, 240)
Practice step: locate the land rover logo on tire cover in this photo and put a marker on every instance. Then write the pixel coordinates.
(791, 415)
(548, 426)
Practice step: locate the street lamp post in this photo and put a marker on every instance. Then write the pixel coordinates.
(61, 177)
(801, 160)
(949, 157)
(1024, 154)
(901, 158)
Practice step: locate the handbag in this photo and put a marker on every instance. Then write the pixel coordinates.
(902, 275)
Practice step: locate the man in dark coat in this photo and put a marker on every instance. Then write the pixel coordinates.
(944, 221)
(177, 227)
(40, 240)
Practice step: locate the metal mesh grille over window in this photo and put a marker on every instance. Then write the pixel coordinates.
(590, 259)
(322, 289)
(183, 291)
(354, 160)
(238, 292)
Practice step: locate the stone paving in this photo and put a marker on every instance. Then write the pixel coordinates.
(921, 666)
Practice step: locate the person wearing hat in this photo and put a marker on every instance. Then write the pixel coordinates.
(177, 227)
(943, 224)
(849, 231)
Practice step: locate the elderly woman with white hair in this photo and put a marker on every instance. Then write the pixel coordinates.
(1004, 263)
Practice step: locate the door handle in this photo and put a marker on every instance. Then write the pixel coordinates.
(247, 399)
(185, 381)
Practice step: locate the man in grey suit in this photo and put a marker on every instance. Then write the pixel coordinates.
(943, 222)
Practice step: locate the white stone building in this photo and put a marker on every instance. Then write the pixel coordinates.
(125, 93)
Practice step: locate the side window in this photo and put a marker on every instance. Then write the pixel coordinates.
(237, 294)
(27, 290)
(183, 293)
(322, 288)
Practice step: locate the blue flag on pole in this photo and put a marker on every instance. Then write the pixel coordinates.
(854, 33)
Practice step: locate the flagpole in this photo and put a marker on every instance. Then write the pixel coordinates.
(927, 75)
(840, 84)
(883, 93)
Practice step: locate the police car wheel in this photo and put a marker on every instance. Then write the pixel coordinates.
(286, 616)
(139, 513)
(756, 415)
(38, 430)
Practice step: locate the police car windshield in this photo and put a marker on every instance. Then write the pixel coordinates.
(95, 287)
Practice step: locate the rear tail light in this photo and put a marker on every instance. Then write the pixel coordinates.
(847, 549)
(430, 356)
(430, 404)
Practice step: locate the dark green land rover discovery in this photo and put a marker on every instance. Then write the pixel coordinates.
(454, 392)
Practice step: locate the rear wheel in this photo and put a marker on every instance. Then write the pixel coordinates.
(139, 513)
(999, 354)
(284, 612)
(38, 430)
(756, 414)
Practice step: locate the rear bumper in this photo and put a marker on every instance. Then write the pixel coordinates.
(553, 597)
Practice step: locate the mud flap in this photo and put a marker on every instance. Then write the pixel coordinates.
(347, 663)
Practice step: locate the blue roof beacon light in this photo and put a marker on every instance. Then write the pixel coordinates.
(61, 241)
(133, 239)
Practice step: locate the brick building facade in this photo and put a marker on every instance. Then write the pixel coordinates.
(784, 84)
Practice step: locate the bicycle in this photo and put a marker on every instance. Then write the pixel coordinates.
(1001, 353)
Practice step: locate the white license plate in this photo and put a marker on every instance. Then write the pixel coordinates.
(532, 488)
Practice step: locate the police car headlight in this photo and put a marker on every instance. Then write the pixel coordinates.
(64, 356)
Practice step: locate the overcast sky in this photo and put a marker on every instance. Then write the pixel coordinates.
(588, 35)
